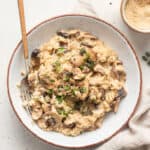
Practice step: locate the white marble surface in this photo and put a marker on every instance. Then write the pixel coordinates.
(13, 136)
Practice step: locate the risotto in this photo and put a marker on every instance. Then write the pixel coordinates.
(75, 80)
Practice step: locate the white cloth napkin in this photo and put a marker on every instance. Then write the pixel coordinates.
(137, 134)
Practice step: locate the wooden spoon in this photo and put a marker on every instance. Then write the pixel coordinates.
(23, 31)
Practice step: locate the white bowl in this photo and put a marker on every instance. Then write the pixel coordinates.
(113, 123)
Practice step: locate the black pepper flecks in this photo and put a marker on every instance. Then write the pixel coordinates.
(146, 57)
(147, 54)
(148, 63)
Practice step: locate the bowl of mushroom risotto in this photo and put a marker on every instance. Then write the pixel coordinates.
(84, 81)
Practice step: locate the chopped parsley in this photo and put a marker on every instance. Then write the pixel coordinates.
(81, 67)
(57, 66)
(62, 112)
(50, 92)
(74, 91)
(82, 51)
(60, 50)
(60, 98)
(90, 63)
(67, 87)
(51, 80)
(66, 78)
(83, 89)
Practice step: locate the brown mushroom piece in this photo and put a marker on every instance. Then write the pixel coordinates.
(53, 119)
(114, 73)
(63, 43)
(85, 110)
(35, 53)
(35, 60)
(116, 105)
(63, 34)
(74, 33)
(70, 126)
(86, 44)
(121, 94)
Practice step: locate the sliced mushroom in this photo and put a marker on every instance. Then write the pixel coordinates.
(74, 33)
(35, 60)
(114, 73)
(35, 53)
(121, 94)
(70, 126)
(63, 34)
(116, 105)
(53, 119)
(85, 110)
(63, 43)
(86, 44)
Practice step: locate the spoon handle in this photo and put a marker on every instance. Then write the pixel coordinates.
(23, 28)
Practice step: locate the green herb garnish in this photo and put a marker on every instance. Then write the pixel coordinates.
(51, 80)
(62, 112)
(66, 78)
(82, 51)
(81, 67)
(60, 98)
(67, 87)
(74, 91)
(82, 89)
(60, 50)
(90, 63)
(57, 66)
(50, 92)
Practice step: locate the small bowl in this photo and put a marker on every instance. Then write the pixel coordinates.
(123, 15)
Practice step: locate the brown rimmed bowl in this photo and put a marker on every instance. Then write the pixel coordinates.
(113, 123)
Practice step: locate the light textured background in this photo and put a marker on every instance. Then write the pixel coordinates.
(13, 136)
